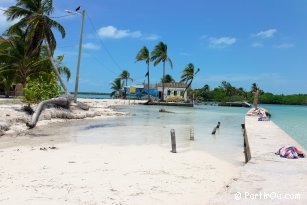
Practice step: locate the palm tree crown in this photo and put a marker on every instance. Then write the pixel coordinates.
(158, 55)
(143, 55)
(34, 17)
(125, 75)
(188, 75)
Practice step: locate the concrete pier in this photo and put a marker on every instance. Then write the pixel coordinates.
(267, 178)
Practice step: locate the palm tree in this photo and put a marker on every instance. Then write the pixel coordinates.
(117, 86)
(15, 59)
(168, 79)
(188, 75)
(125, 75)
(159, 54)
(35, 20)
(143, 55)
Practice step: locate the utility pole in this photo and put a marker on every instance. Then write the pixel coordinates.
(79, 57)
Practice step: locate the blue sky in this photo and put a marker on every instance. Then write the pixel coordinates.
(240, 41)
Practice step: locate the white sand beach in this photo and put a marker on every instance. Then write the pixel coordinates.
(75, 173)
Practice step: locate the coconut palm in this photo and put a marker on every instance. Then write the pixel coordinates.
(188, 75)
(168, 79)
(144, 55)
(15, 59)
(125, 75)
(116, 86)
(158, 55)
(34, 18)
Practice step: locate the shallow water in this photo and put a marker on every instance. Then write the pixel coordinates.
(292, 119)
(146, 125)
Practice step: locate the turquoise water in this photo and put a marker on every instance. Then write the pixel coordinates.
(292, 119)
(146, 125)
(94, 96)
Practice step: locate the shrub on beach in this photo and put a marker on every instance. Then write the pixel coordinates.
(42, 88)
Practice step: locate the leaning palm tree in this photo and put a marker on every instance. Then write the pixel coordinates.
(125, 75)
(144, 55)
(34, 18)
(188, 75)
(159, 54)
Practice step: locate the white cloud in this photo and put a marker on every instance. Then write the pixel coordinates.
(265, 34)
(113, 32)
(151, 37)
(284, 45)
(91, 46)
(257, 45)
(221, 42)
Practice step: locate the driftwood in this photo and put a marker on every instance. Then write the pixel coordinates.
(163, 110)
(63, 101)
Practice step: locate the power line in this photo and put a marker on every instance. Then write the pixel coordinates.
(103, 65)
(104, 46)
(55, 17)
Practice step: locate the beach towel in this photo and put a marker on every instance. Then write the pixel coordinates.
(290, 152)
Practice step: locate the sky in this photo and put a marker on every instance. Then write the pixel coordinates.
(239, 41)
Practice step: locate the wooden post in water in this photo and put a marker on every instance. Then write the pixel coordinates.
(192, 134)
(173, 139)
(214, 129)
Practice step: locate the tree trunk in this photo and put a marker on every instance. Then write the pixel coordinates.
(55, 69)
(62, 101)
(163, 79)
(149, 98)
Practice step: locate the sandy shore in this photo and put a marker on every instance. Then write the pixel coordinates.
(13, 119)
(102, 173)
(106, 174)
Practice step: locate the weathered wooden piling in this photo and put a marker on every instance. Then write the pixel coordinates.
(215, 128)
(247, 152)
(173, 139)
(192, 134)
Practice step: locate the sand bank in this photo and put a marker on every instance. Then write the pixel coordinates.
(13, 119)
(268, 178)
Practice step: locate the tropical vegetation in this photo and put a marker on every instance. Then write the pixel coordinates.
(27, 47)
(168, 79)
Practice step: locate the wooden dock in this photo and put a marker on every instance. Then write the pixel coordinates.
(267, 173)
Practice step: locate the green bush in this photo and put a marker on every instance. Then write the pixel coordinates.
(42, 88)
